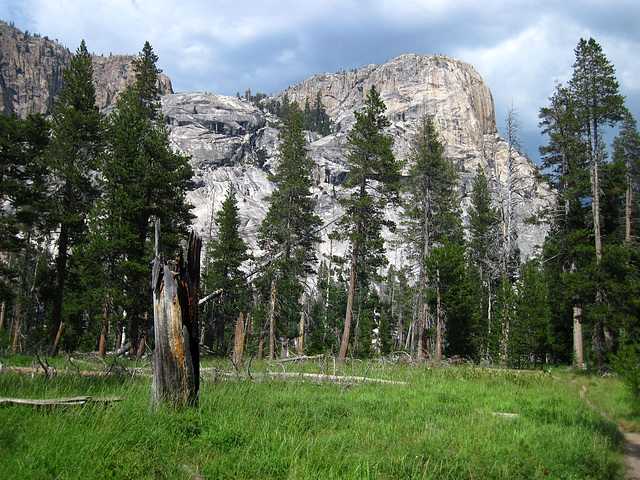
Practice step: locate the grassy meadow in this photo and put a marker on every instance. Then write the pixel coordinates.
(438, 423)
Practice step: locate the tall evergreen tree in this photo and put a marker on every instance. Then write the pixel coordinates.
(454, 294)
(482, 250)
(431, 214)
(76, 142)
(626, 150)
(227, 252)
(23, 232)
(565, 157)
(529, 334)
(288, 232)
(143, 179)
(373, 177)
(598, 104)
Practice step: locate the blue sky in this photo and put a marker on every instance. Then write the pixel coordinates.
(520, 47)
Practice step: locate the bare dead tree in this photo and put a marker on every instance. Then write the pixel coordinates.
(176, 371)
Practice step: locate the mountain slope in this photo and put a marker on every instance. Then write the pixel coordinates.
(231, 140)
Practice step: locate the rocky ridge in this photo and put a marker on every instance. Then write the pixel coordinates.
(232, 140)
(31, 73)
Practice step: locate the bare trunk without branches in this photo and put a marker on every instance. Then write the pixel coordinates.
(238, 344)
(176, 371)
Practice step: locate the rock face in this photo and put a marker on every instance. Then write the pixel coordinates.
(31, 73)
(231, 140)
(113, 74)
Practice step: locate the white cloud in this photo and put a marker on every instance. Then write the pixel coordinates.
(520, 68)
(520, 47)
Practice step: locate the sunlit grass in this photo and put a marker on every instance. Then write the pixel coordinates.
(441, 423)
(611, 395)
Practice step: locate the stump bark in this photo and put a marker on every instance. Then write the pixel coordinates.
(176, 370)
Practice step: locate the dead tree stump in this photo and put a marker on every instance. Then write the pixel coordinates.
(176, 369)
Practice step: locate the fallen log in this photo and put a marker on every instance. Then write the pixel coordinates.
(315, 376)
(58, 401)
(338, 378)
(300, 357)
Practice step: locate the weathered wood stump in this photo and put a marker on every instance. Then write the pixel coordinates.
(176, 369)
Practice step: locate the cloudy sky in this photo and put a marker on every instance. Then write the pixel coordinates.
(520, 47)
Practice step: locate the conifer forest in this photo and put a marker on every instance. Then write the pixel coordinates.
(81, 190)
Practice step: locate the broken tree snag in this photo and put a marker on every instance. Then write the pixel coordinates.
(176, 369)
(238, 344)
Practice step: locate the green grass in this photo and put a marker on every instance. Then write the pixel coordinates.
(611, 396)
(440, 424)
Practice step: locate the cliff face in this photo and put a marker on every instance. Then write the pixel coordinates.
(231, 140)
(31, 73)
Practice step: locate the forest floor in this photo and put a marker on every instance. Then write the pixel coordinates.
(631, 443)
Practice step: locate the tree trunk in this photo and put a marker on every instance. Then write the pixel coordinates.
(248, 325)
(105, 329)
(438, 354)
(595, 178)
(176, 371)
(272, 322)
(118, 342)
(238, 344)
(350, 298)
(300, 340)
(629, 200)
(61, 274)
(2, 308)
(599, 330)
(578, 355)
(577, 337)
(261, 346)
(16, 326)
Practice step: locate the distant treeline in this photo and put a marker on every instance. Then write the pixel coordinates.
(314, 118)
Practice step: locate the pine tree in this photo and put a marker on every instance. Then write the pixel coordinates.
(373, 177)
(565, 157)
(143, 180)
(455, 293)
(288, 231)
(76, 143)
(483, 239)
(227, 252)
(598, 104)
(431, 213)
(626, 150)
(23, 231)
(529, 334)
(329, 305)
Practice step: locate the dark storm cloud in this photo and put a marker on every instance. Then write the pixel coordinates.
(520, 47)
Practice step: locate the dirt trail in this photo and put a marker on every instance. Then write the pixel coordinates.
(632, 452)
(631, 443)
